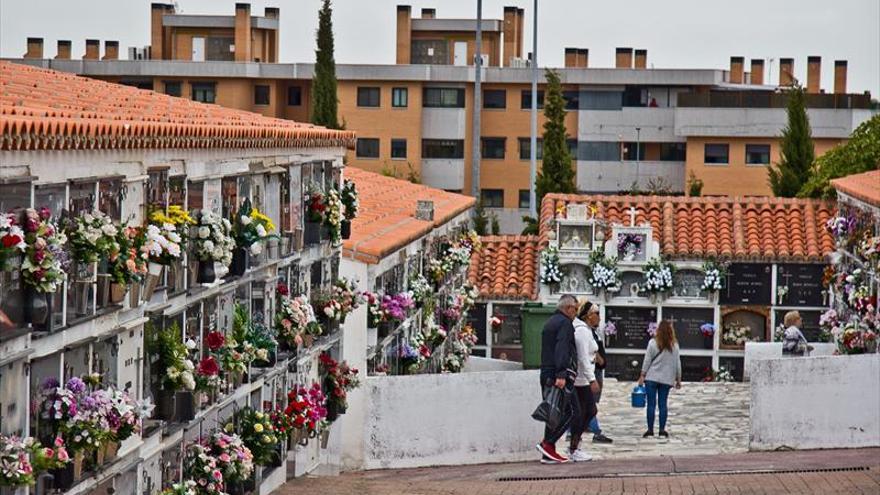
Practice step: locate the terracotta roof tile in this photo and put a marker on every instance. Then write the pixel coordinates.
(734, 228)
(864, 187)
(386, 214)
(506, 267)
(42, 109)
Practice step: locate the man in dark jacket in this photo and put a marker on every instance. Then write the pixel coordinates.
(558, 369)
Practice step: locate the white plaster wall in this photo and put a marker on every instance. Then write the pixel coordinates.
(451, 419)
(354, 345)
(476, 364)
(443, 173)
(764, 122)
(756, 351)
(815, 403)
(655, 124)
(614, 176)
(509, 219)
(443, 123)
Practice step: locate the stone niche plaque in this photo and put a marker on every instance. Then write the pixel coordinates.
(748, 283)
(687, 323)
(686, 283)
(631, 324)
(810, 328)
(804, 284)
(734, 365)
(574, 279)
(755, 320)
(630, 284)
(694, 368)
(625, 367)
(575, 236)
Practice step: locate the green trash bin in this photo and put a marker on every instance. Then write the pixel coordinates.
(534, 316)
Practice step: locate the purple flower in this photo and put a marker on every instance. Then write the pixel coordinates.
(76, 385)
(50, 382)
(652, 329)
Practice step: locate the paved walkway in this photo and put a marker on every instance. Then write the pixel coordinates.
(704, 418)
(855, 471)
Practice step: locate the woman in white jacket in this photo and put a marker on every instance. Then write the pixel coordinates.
(585, 384)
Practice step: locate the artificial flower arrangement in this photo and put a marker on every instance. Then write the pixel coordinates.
(349, 197)
(23, 459)
(869, 250)
(12, 242)
(237, 352)
(257, 433)
(652, 329)
(334, 215)
(396, 307)
(707, 329)
(855, 337)
(92, 236)
(263, 340)
(411, 355)
(251, 228)
(550, 271)
(629, 246)
(43, 265)
(307, 409)
(420, 289)
(234, 460)
(203, 472)
(338, 380)
(609, 329)
(174, 359)
(162, 243)
(461, 350)
(829, 325)
(129, 264)
(123, 414)
(658, 276)
(76, 414)
(316, 206)
(736, 333)
(208, 370)
(295, 318)
(213, 240)
(603, 273)
(496, 322)
(188, 487)
(714, 274)
(723, 375)
(436, 333)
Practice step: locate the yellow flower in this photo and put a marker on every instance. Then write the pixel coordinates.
(228, 427)
(258, 428)
(266, 221)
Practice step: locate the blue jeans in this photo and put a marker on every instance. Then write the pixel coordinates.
(594, 423)
(657, 391)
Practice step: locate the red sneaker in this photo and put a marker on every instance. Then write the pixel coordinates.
(548, 450)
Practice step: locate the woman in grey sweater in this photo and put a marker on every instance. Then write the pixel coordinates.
(661, 370)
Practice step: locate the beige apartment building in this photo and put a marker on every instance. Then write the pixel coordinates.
(628, 124)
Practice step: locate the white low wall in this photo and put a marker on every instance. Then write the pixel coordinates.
(815, 403)
(756, 351)
(451, 419)
(478, 364)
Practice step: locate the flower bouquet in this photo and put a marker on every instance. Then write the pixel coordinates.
(603, 274)
(338, 380)
(129, 264)
(708, 331)
(234, 459)
(15, 461)
(736, 334)
(203, 473)
(652, 329)
(334, 216)
(293, 319)
(436, 333)
(213, 244)
(42, 269)
(250, 229)
(629, 246)
(12, 243)
(714, 274)
(658, 277)
(257, 434)
(396, 307)
(496, 322)
(609, 329)
(420, 289)
(179, 378)
(316, 215)
(92, 237)
(374, 308)
(349, 196)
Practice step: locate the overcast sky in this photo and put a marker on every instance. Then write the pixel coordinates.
(676, 33)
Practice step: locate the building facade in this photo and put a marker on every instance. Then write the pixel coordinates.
(630, 126)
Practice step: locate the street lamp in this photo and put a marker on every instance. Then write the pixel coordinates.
(533, 158)
(475, 145)
(638, 154)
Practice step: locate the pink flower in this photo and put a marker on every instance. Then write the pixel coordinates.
(49, 452)
(224, 457)
(217, 475)
(62, 455)
(59, 442)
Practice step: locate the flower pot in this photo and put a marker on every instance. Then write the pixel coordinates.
(165, 405)
(308, 340)
(153, 277)
(325, 437)
(372, 337)
(78, 459)
(346, 229)
(35, 309)
(385, 328)
(117, 293)
(272, 248)
(285, 243)
(63, 477)
(325, 232)
(103, 297)
(312, 233)
(297, 241)
(110, 450)
(239, 262)
(708, 341)
(332, 412)
(871, 346)
(206, 272)
(184, 406)
(606, 294)
(99, 456)
(713, 297)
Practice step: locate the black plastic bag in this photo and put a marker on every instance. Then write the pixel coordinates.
(552, 410)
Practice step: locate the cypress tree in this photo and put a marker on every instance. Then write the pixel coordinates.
(324, 102)
(793, 170)
(556, 174)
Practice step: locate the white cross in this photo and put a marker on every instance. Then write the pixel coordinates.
(632, 216)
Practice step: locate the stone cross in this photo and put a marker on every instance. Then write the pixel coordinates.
(632, 216)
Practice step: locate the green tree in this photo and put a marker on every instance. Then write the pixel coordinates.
(860, 154)
(496, 225)
(793, 170)
(480, 220)
(324, 101)
(556, 174)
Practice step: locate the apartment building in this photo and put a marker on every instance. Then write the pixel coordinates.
(630, 124)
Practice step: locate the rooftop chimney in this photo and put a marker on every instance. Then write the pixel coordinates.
(157, 30)
(93, 50)
(786, 71)
(243, 32)
(814, 74)
(757, 71)
(429, 13)
(583, 57)
(63, 50)
(404, 30)
(34, 48)
(736, 70)
(512, 35)
(271, 12)
(111, 50)
(521, 16)
(623, 58)
(840, 77)
(571, 57)
(641, 59)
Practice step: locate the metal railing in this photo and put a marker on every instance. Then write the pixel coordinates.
(766, 99)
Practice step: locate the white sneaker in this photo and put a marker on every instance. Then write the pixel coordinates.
(579, 456)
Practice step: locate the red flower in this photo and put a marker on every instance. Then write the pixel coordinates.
(11, 240)
(282, 289)
(209, 366)
(215, 340)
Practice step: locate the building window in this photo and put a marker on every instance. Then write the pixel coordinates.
(757, 154)
(495, 98)
(600, 151)
(572, 148)
(399, 97)
(493, 148)
(572, 99)
(368, 148)
(673, 152)
(492, 198)
(443, 98)
(443, 148)
(204, 92)
(717, 153)
(633, 152)
(526, 99)
(368, 97)
(525, 149)
(173, 88)
(294, 96)
(524, 198)
(398, 148)
(431, 52)
(601, 100)
(261, 94)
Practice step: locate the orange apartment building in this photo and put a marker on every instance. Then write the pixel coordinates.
(628, 124)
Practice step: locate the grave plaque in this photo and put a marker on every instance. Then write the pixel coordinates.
(687, 283)
(624, 366)
(630, 281)
(733, 365)
(748, 283)
(632, 326)
(804, 282)
(694, 368)
(687, 322)
(810, 328)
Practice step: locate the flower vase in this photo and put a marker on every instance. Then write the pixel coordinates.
(184, 406)
(385, 328)
(134, 295)
(78, 459)
(312, 234)
(34, 307)
(285, 243)
(297, 241)
(206, 272)
(100, 455)
(871, 346)
(62, 478)
(117, 293)
(332, 411)
(104, 282)
(325, 232)
(165, 405)
(237, 380)
(708, 342)
(655, 298)
(606, 295)
(346, 229)
(325, 437)
(272, 248)
(372, 337)
(111, 448)
(239, 262)
(713, 297)
(153, 277)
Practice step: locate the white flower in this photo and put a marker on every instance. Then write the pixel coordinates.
(190, 344)
(256, 248)
(189, 382)
(208, 246)
(261, 231)
(204, 232)
(245, 220)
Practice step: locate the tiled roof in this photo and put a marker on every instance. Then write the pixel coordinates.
(733, 228)
(386, 214)
(43, 109)
(864, 187)
(506, 267)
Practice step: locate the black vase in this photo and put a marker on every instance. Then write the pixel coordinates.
(385, 328)
(62, 478)
(708, 342)
(270, 361)
(184, 407)
(206, 272)
(165, 405)
(332, 411)
(239, 262)
(35, 309)
(346, 229)
(312, 233)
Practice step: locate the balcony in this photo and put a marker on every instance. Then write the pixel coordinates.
(619, 176)
(442, 173)
(767, 99)
(656, 124)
